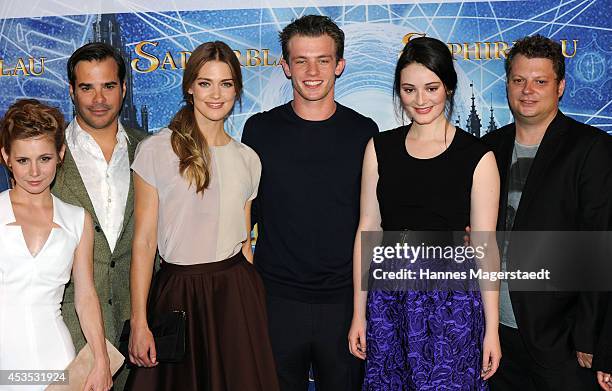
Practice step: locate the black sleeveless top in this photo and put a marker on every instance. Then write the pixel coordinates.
(425, 194)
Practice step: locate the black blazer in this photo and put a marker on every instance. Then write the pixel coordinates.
(602, 361)
(569, 188)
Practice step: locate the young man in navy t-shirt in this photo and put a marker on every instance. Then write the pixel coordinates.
(307, 210)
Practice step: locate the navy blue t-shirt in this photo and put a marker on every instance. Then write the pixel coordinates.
(307, 208)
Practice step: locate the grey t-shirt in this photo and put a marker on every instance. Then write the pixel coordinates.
(522, 157)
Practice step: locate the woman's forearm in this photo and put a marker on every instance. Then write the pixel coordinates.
(490, 302)
(144, 247)
(88, 309)
(359, 295)
(490, 263)
(141, 272)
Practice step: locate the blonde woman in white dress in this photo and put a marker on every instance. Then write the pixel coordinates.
(42, 240)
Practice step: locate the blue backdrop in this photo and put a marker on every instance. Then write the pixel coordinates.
(34, 51)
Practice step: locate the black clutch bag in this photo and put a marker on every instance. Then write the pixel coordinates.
(168, 332)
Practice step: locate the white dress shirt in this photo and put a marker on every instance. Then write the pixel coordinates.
(107, 183)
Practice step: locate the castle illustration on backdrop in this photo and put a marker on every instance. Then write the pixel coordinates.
(473, 124)
(106, 29)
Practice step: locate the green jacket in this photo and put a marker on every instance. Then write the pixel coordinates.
(111, 270)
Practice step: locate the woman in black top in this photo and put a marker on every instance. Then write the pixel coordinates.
(427, 176)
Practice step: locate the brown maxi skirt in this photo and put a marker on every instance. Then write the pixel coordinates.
(227, 344)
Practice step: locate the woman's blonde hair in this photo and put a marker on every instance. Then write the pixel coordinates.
(187, 141)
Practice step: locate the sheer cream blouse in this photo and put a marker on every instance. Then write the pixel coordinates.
(199, 228)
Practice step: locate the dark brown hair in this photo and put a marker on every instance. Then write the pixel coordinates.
(187, 141)
(312, 26)
(95, 51)
(538, 46)
(28, 118)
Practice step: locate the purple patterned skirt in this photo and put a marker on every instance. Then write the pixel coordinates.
(424, 340)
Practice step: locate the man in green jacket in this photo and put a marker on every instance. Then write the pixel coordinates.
(96, 175)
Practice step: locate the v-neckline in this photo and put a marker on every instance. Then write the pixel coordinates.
(23, 238)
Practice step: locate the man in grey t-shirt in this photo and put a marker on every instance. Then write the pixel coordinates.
(555, 174)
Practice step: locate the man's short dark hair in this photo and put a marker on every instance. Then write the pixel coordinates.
(312, 26)
(538, 46)
(95, 51)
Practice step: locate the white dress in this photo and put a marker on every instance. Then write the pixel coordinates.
(33, 335)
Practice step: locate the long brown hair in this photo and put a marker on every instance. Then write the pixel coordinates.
(187, 141)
